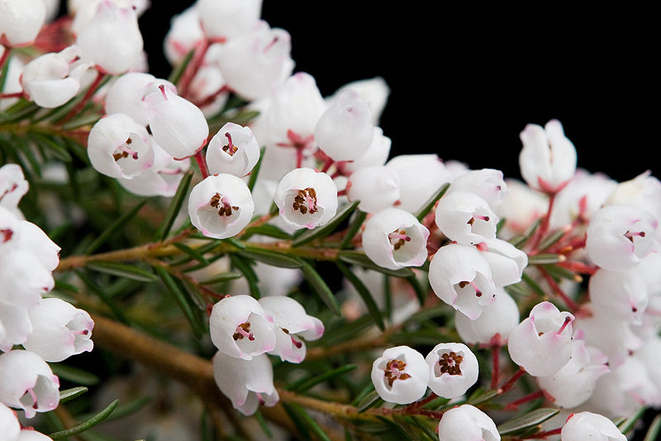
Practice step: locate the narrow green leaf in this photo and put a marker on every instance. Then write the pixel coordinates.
(545, 259)
(306, 420)
(628, 424)
(182, 300)
(262, 424)
(308, 383)
(360, 259)
(255, 170)
(370, 400)
(551, 239)
(432, 201)
(323, 231)
(123, 270)
(243, 265)
(266, 230)
(364, 293)
(482, 396)
(70, 394)
(534, 286)
(179, 69)
(192, 252)
(272, 258)
(20, 110)
(88, 119)
(220, 278)
(105, 413)
(654, 430)
(320, 288)
(353, 228)
(129, 408)
(175, 206)
(53, 145)
(114, 228)
(527, 420)
(418, 289)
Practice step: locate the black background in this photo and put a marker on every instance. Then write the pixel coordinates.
(465, 81)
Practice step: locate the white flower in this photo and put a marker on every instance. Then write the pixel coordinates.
(162, 179)
(507, 262)
(28, 383)
(179, 127)
(247, 383)
(293, 326)
(126, 95)
(232, 150)
(111, 39)
(587, 425)
(60, 330)
(13, 186)
(376, 187)
(119, 147)
(547, 159)
(618, 294)
(619, 236)
(461, 277)
(453, 369)
(345, 130)
(240, 327)
(21, 20)
(306, 198)
(185, 34)
(376, 154)
(220, 206)
(374, 91)
(642, 192)
(420, 177)
(394, 239)
(465, 217)
(487, 183)
(400, 375)
(467, 423)
(9, 425)
(227, 19)
(494, 325)
(541, 343)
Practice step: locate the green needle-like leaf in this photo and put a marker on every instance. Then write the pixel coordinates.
(272, 258)
(431, 202)
(654, 430)
(360, 259)
(180, 296)
(308, 383)
(70, 394)
(175, 206)
(74, 375)
(527, 420)
(255, 170)
(114, 228)
(80, 428)
(301, 418)
(364, 293)
(320, 287)
(179, 70)
(123, 270)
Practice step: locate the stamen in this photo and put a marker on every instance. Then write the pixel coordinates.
(125, 151)
(395, 371)
(296, 343)
(630, 235)
(243, 330)
(449, 363)
(162, 87)
(478, 217)
(305, 201)
(564, 324)
(271, 44)
(224, 209)
(33, 395)
(6, 234)
(398, 238)
(472, 283)
(230, 149)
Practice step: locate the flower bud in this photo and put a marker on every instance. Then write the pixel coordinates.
(247, 383)
(453, 369)
(232, 150)
(465, 217)
(642, 192)
(394, 239)
(619, 236)
(184, 35)
(125, 95)
(119, 147)
(548, 159)
(376, 154)
(618, 294)
(111, 39)
(467, 423)
(179, 127)
(587, 425)
(21, 20)
(541, 343)
(345, 130)
(461, 277)
(374, 91)
(306, 198)
(506, 261)
(28, 383)
(220, 206)
(400, 375)
(240, 327)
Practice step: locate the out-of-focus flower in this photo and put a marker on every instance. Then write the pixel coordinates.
(21, 20)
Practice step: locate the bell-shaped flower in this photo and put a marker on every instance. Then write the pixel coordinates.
(24, 278)
(460, 276)
(618, 294)
(541, 343)
(52, 79)
(111, 40)
(465, 217)
(227, 19)
(119, 147)
(306, 198)
(574, 383)
(394, 238)
(493, 326)
(21, 20)
(376, 187)
(376, 154)
(467, 423)
(619, 236)
(293, 327)
(247, 383)
(28, 383)
(32, 239)
(255, 64)
(400, 375)
(593, 426)
(642, 192)
(240, 327)
(60, 330)
(374, 91)
(345, 130)
(178, 126)
(487, 183)
(126, 93)
(162, 179)
(184, 35)
(83, 11)
(507, 262)
(548, 159)
(13, 186)
(453, 369)
(220, 206)
(420, 177)
(232, 150)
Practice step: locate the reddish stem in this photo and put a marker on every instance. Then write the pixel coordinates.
(546, 434)
(513, 379)
(202, 164)
(495, 373)
(514, 405)
(544, 226)
(192, 68)
(90, 91)
(5, 56)
(11, 95)
(558, 291)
